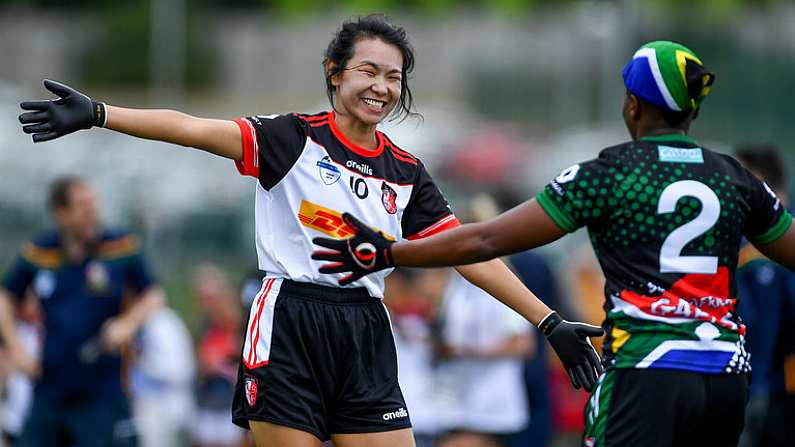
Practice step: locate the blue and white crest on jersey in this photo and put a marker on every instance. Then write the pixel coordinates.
(328, 172)
(44, 284)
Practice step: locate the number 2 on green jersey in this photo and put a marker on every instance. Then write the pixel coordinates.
(671, 258)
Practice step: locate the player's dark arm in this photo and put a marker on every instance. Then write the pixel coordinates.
(521, 228)
(73, 111)
(782, 250)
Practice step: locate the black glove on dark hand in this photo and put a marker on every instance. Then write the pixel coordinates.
(570, 341)
(363, 253)
(58, 117)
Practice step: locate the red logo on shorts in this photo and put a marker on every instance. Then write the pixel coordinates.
(251, 390)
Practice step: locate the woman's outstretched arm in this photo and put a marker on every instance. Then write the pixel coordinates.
(72, 111)
(219, 137)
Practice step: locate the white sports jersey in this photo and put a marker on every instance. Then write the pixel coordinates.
(309, 174)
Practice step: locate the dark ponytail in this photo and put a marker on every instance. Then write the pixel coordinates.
(374, 26)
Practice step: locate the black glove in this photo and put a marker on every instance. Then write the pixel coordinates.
(363, 253)
(570, 341)
(58, 117)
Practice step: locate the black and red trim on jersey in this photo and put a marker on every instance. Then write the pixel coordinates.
(273, 144)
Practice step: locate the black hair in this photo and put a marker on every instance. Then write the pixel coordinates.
(672, 118)
(676, 119)
(766, 161)
(374, 26)
(59, 195)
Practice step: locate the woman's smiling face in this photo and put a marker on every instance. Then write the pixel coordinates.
(370, 86)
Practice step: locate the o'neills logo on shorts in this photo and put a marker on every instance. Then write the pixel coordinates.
(251, 390)
(401, 413)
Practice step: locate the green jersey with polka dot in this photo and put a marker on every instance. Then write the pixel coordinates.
(666, 218)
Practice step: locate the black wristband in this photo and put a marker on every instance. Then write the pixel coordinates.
(100, 115)
(549, 323)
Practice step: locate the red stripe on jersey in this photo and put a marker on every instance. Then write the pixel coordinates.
(399, 153)
(353, 147)
(314, 118)
(445, 223)
(399, 150)
(318, 124)
(249, 165)
(397, 156)
(252, 353)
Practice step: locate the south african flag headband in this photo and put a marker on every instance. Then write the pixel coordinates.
(668, 75)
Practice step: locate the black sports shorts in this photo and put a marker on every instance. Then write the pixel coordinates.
(665, 408)
(319, 359)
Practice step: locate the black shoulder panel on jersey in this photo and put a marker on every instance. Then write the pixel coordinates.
(427, 206)
(281, 140)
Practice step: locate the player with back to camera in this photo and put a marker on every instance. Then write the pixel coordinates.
(665, 217)
(319, 360)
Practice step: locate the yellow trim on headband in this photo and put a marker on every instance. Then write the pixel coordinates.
(681, 62)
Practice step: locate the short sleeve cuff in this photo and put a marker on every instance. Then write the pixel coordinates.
(445, 223)
(776, 231)
(561, 219)
(249, 165)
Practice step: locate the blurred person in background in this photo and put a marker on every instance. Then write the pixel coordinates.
(163, 380)
(767, 307)
(481, 397)
(413, 315)
(666, 218)
(219, 345)
(321, 363)
(534, 271)
(544, 376)
(95, 293)
(16, 388)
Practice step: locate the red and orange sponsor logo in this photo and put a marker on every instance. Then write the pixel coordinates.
(327, 221)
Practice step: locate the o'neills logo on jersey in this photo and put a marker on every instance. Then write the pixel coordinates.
(328, 172)
(251, 391)
(400, 413)
(388, 198)
(327, 221)
(363, 168)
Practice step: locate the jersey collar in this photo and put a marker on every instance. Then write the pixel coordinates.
(674, 137)
(353, 147)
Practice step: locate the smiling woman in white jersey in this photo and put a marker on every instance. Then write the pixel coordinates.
(319, 359)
